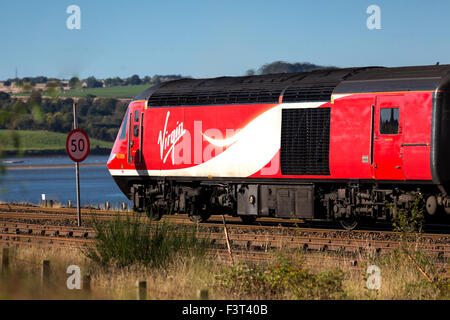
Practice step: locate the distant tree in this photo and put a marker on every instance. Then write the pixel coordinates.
(134, 80)
(283, 67)
(93, 83)
(24, 122)
(250, 72)
(41, 79)
(105, 106)
(53, 88)
(68, 120)
(4, 96)
(7, 83)
(108, 82)
(34, 80)
(156, 79)
(146, 80)
(35, 98)
(75, 83)
(117, 81)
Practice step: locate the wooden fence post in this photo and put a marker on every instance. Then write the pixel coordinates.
(5, 260)
(203, 294)
(141, 290)
(87, 285)
(45, 274)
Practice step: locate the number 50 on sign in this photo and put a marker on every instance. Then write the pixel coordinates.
(77, 145)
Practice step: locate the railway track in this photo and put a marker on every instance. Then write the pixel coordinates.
(67, 217)
(22, 225)
(254, 247)
(16, 211)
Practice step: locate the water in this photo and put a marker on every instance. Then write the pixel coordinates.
(50, 160)
(27, 185)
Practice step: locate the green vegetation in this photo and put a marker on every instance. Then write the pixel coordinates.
(409, 221)
(110, 92)
(283, 278)
(107, 92)
(412, 220)
(283, 67)
(40, 140)
(288, 275)
(402, 279)
(126, 241)
(100, 118)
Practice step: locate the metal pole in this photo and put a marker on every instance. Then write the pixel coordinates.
(77, 168)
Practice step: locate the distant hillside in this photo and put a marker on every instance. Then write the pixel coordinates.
(36, 142)
(107, 92)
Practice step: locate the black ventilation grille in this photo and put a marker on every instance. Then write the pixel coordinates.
(305, 141)
(306, 94)
(193, 98)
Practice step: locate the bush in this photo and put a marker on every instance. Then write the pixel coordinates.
(412, 220)
(126, 241)
(282, 279)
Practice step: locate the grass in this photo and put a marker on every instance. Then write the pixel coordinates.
(293, 276)
(128, 240)
(173, 262)
(40, 140)
(108, 92)
(180, 280)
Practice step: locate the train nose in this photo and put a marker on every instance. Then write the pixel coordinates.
(112, 156)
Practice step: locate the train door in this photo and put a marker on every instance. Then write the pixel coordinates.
(135, 136)
(387, 138)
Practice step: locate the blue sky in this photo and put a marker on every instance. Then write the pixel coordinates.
(215, 38)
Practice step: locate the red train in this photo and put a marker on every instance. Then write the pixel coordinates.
(334, 144)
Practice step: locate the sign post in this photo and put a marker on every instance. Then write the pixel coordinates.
(77, 147)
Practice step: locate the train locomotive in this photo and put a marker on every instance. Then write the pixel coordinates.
(329, 144)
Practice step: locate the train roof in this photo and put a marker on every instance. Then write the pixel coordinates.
(316, 85)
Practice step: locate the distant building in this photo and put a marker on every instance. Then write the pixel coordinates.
(65, 85)
(40, 86)
(13, 88)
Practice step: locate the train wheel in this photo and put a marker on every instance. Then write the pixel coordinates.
(348, 223)
(248, 219)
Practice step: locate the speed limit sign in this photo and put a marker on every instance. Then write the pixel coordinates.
(77, 145)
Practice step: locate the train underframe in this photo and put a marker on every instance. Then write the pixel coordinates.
(347, 203)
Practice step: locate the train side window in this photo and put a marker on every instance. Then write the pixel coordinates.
(136, 116)
(136, 131)
(389, 120)
(123, 130)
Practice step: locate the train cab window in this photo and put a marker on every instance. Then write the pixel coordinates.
(136, 116)
(389, 120)
(123, 130)
(136, 131)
